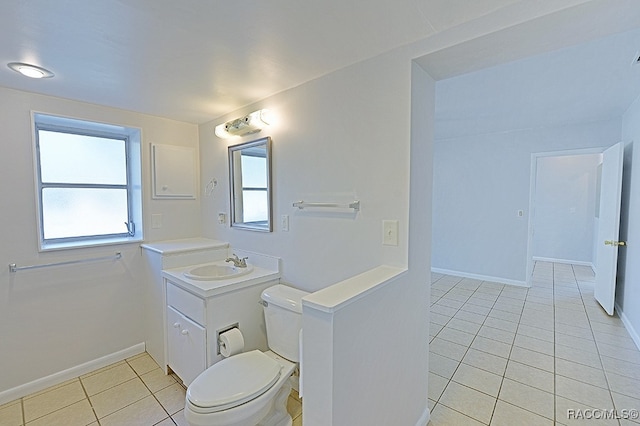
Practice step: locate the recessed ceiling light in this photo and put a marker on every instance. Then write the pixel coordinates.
(28, 70)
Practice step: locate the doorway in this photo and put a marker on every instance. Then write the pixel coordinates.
(564, 200)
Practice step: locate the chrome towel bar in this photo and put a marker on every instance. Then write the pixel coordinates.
(14, 268)
(355, 205)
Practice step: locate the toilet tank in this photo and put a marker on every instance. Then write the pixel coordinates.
(283, 318)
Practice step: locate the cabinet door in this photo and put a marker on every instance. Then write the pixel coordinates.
(186, 342)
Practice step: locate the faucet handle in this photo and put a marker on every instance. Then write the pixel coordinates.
(243, 262)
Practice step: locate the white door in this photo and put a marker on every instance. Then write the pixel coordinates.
(609, 227)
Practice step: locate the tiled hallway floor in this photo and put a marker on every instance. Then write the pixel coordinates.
(504, 355)
(134, 392)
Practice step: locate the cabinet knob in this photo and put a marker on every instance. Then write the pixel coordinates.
(184, 332)
(176, 325)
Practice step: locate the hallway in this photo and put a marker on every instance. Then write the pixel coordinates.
(505, 355)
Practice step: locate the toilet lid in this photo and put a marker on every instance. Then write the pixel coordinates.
(234, 381)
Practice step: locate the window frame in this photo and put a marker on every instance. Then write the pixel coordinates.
(73, 126)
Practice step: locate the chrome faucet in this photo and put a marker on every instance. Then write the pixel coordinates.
(237, 262)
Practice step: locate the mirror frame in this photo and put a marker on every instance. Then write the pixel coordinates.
(266, 141)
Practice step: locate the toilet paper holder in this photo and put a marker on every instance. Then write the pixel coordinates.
(224, 330)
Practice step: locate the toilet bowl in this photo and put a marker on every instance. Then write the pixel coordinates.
(244, 390)
(252, 388)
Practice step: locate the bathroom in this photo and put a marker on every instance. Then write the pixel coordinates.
(98, 309)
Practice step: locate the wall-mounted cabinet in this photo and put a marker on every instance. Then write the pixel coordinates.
(174, 172)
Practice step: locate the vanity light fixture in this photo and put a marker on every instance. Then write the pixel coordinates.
(247, 125)
(29, 70)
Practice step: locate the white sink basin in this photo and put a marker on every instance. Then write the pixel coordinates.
(216, 271)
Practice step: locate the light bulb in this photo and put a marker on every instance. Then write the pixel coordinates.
(31, 71)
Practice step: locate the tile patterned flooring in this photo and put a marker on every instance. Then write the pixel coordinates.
(499, 355)
(133, 392)
(505, 355)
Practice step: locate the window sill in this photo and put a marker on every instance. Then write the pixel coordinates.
(91, 243)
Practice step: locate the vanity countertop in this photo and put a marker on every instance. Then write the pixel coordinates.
(184, 245)
(211, 288)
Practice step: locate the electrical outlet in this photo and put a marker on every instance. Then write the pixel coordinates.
(284, 222)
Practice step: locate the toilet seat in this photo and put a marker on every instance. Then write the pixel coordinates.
(233, 381)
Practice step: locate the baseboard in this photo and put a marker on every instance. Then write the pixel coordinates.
(565, 261)
(426, 416)
(480, 277)
(627, 324)
(68, 374)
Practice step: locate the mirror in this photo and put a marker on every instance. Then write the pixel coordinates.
(249, 181)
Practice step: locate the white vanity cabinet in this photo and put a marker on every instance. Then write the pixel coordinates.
(186, 338)
(186, 344)
(157, 257)
(196, 312)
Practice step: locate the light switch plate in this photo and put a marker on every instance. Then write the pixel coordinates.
(390, 232)
(284, 222)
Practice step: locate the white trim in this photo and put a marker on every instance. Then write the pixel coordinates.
(565, 261)
(499, 280)
(426, 416)
(68, 374)
(627, 324)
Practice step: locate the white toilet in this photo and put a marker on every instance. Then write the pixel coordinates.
(252, 388)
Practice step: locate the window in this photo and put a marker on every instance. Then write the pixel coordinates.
(88, 178)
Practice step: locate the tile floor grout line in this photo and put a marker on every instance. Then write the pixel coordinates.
(467, 350)
(450, 379)
(606, 377)
(581, 298)
(24, 418)
(86, 394)
(44, 391)
(152, 393)
(580, 292)
(554, 293)
(555, 385)
(495, 405)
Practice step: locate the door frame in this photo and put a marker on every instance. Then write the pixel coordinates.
(532, 191)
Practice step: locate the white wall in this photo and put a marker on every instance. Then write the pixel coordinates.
(565, 208)
(481, 181)
(628, 285)
(377, 321)
(58, 318)
(343, 135)
(349, 133)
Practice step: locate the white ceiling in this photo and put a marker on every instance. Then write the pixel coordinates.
(196, 60)
(592, 81)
